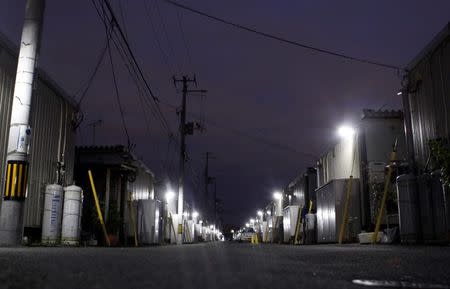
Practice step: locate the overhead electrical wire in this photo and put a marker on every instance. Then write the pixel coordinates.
(257, 139)
(94, 71)
(281, 39)
(166, 34)
(111, 18)
(122, 115)
(185, 42)
(123, 51)
(156, 38)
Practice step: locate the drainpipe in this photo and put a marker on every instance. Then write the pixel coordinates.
(17, 164)
(408, 127)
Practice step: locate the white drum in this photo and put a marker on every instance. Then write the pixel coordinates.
(71, 223)
(51, 220)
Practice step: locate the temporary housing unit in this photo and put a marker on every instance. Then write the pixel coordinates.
(364, 156)
(53, 121)
(121, 180)
(426, 100)
(302, 189)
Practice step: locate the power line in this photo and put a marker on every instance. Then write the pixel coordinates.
(132, 59)
(257, 139)
(281, 39)
(183, 36)
(166, 34)
(94, 72)
(122, 116)
(156, 38)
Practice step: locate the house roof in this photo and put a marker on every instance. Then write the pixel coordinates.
(119, 150)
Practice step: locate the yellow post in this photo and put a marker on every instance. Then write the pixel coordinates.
(133, 222)
(346, 205)
(99, 211)
(297, 226)
(266, 235)
(385, 194)
(310, 206)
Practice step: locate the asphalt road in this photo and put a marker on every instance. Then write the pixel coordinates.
(223, 265)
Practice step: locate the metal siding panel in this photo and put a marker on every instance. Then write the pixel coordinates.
(6, 98)
(429, 98)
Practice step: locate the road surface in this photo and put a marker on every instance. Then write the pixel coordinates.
(223, 265)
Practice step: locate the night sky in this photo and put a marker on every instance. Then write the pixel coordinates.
(270, 106)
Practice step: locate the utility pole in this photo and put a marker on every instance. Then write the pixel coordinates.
(184, 129)
(11, 216)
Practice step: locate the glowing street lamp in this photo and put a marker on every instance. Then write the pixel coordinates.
(277, 196)
(260, 213)
(269, 212)
(169, 196)
(247, 225)
(346, 132)
(195, 214)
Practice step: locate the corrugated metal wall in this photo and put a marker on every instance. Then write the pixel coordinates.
(52, 133)
(142, 187)
(429, 96)
(340, 162)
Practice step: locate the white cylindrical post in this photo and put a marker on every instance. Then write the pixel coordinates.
(14, 193)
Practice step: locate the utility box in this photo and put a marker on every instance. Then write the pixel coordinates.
(330, 210)
(290, 219)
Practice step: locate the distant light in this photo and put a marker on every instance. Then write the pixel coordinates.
(247, 225)
(200, 222)
(399, 93)
(269, 212)
(346, 131)
(252, 221)
(232, 231)
(277, 196)
(169, 196)
(195, 214)
(260, 213)
(211, 227)
(186, 214)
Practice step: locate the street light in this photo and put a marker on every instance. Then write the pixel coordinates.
(260, 213)
(346, 131)
(195, 214)
(169, 195)
(247, 225)
(277, 196)
(252, 221)
(186, 214)
(269, 212)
